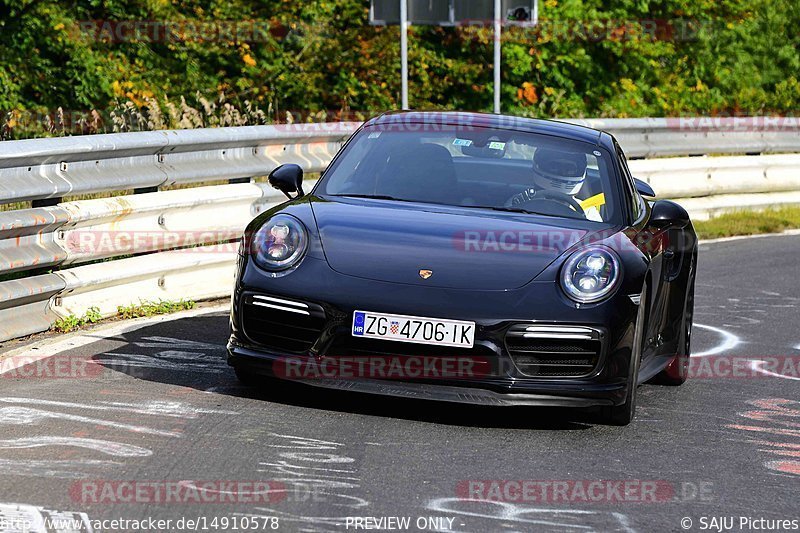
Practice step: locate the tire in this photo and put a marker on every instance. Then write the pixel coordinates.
(676, 371)
(622, 415)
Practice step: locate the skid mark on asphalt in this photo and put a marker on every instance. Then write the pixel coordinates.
(153, 407)
(175, 355)
(29, 518)
(29, 416)
(170, 360)
(776, 417)
(58, 468)
(35, 412)
(493, 515)
(146, 417)
(747, 310)
(159, 342)
(313, 470)
(103, 446)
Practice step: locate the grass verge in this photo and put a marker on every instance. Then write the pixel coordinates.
(72, 322)
(147, 308)
(749, 223)
(142, 309)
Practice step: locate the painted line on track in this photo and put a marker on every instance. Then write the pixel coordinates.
(757, 364)
(729, 341)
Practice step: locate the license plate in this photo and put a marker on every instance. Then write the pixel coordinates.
(414, 329)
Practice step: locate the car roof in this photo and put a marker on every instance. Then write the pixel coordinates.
(486, 120)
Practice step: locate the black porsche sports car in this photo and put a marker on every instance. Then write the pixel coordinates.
(469, 258)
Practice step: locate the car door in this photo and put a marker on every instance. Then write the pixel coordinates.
(665, 246)
(648, 242)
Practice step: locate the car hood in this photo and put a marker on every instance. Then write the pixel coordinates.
(464, 248)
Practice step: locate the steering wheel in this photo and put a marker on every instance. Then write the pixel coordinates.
(529, 196)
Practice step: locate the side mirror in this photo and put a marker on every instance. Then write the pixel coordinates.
(287, 179)
(644, 188)
(666, 213)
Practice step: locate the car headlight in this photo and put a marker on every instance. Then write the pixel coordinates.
(280, 243)
(590, 274)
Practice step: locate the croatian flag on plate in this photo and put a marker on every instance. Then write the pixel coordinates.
(395, 327)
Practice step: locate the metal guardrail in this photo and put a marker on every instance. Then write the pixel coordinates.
(39, 169)
(707, 186)
(661, 137)
(682, 177)
(25, 305)
(162, 243)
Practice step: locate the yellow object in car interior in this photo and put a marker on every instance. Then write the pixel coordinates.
(593, 201)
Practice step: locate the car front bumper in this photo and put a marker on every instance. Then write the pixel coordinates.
(334, 296)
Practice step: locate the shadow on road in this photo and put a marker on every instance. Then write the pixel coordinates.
(190, 352)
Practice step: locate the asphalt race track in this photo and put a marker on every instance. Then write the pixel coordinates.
(160, 406)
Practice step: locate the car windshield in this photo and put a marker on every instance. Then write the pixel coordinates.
(482, 168)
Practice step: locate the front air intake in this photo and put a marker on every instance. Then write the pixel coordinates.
(282, 324)
(554, 351)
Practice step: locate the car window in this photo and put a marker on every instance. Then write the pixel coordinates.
(479, 168)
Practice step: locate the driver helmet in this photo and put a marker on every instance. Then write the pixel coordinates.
(558, 170)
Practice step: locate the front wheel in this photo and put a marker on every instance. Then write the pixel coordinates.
(622, 415)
